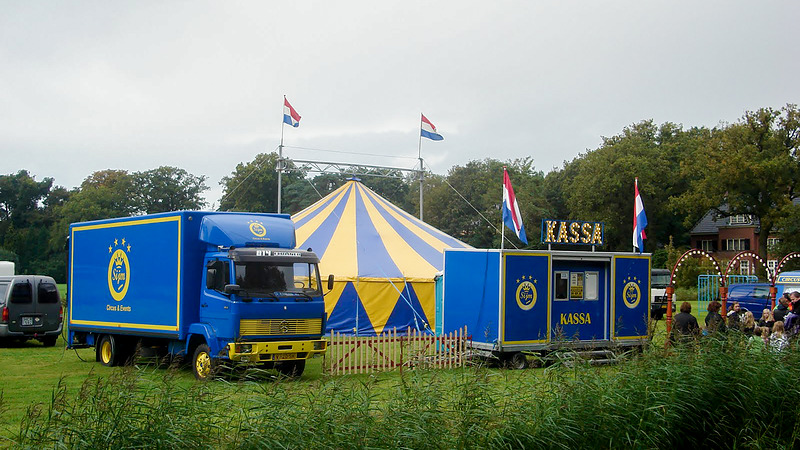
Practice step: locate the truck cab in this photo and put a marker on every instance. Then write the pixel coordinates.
(659, 280)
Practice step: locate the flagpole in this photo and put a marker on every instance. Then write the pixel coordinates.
(502, 225)
(280, 160)
(421, 169)
(635, 187)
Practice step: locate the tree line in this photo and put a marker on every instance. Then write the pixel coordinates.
(748, 167)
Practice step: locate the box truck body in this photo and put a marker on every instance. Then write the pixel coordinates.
(205, 285)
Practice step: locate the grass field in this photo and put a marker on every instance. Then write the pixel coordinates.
(38, 380)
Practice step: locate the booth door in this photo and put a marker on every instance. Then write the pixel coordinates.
(579, 300)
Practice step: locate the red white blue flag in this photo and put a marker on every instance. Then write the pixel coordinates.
(428, 130)
(290, 116)
(511, 215)
(639, 219)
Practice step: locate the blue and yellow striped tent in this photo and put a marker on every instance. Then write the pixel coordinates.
(382, 258)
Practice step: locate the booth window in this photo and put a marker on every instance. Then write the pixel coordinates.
(592, 288)
(562, 285)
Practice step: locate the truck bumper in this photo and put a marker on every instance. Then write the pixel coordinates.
(259, 352)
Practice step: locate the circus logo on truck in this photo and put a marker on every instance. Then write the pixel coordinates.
(119, 269)
(632, 293)
(526, 292)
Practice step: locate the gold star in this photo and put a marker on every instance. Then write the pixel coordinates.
(517, 280)
(123, 242)
(129, 248)
(534, 281)
(115, 242)
(109, 249)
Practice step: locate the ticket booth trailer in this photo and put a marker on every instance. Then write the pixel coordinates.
(515, 301)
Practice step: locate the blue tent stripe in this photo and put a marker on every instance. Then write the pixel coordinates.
(403, 314)
(321, 237)
(447, 239)
(343, 316)
(319, 210)
(373, 258)
(434, 257)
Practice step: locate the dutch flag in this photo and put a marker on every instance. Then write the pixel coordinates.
(511, 215)
(639, 219)
(290, 116)
(428, 130)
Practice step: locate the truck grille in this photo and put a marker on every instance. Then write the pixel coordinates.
(279, 327)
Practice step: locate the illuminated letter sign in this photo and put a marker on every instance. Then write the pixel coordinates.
(572, 232)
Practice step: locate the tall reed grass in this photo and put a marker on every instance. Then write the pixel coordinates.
(717, 394)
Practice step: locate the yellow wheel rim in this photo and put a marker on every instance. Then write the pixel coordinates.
(203, 365)
(105, 352)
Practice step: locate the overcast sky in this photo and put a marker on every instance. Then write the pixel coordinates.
(87, 86)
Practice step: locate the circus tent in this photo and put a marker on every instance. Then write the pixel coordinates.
(383, 260)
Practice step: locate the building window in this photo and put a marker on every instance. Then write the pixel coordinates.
(737, 245)
(708, 245)
(772, 265)
(772, 243)
(744, 267)
(741, 219)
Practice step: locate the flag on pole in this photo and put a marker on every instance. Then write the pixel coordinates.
(639, 219)
(290, 116)
(511, 215)
(428, 130)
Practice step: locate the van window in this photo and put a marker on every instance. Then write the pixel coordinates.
(21, 293)
(761, 292)
(48, 293)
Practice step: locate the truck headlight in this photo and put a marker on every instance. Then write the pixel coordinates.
(243, 348)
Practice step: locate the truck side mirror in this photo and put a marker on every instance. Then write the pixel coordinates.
(330, 282)
(232, 288)
(211, 278)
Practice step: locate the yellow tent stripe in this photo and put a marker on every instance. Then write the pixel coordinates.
(404, 256)
(307, 229)
(343, 244)
(413, 226)
(300, 215)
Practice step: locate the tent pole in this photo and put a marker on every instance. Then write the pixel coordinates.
(421, 168)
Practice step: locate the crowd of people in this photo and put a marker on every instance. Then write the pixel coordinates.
(773, 330)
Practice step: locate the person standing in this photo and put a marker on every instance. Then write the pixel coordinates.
(684, 324)
(714, 320)
(780, 311)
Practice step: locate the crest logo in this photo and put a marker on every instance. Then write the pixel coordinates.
(631, 293)
(526, 292)
(119, 269)
(257, 228)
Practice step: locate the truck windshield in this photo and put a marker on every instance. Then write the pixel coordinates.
(269, 278)
(659, 280)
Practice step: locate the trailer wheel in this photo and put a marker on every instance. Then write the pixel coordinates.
(203, 364)
(108, 350)
(291, 369)
(518, 361)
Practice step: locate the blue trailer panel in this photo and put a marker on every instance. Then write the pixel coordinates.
(515, 301)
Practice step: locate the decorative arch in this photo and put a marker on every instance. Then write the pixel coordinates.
(693, 253)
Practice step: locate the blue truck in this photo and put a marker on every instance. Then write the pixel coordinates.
(205, 286)
(519, 302)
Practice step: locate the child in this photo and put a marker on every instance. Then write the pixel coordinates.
(778, 340)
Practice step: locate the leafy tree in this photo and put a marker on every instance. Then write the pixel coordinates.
(20, 195)
(750, 167)
(254, 186)
(476, 217)
(168, 189)
(598, 185)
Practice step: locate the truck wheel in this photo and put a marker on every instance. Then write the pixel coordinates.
(49, 341)
(203, 364)
(108, 351)
(518, 361)
(291, 369)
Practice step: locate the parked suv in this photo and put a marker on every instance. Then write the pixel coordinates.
(659, 279)
(30, 308)
(752, 297)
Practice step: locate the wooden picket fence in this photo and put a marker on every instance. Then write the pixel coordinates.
(389, 351)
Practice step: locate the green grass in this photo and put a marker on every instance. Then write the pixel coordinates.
(712, 395)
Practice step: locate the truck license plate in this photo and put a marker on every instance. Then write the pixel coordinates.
(27, 321)
(283, 356)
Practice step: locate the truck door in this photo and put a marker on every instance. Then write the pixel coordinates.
(580, 293)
